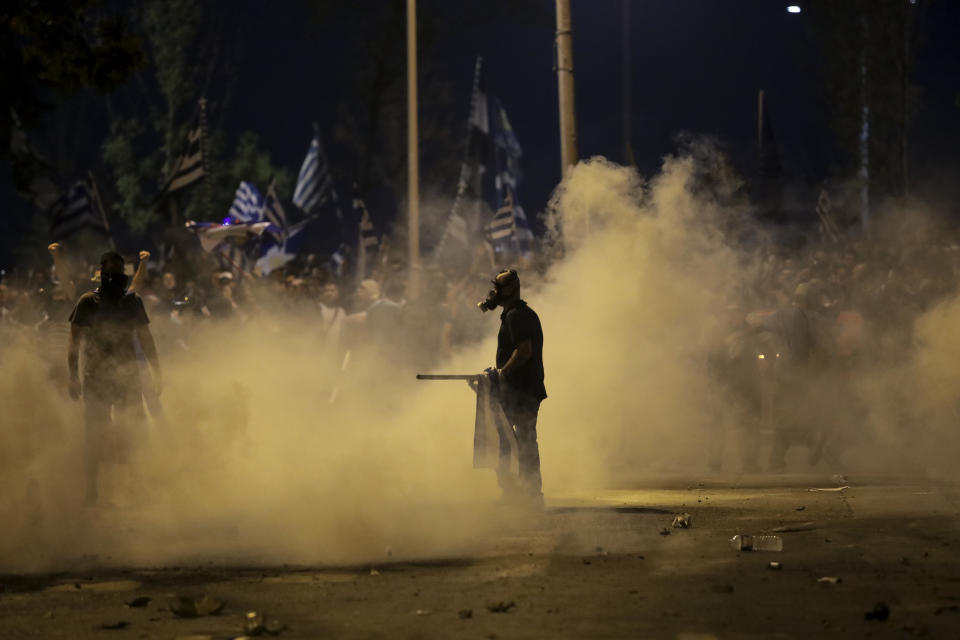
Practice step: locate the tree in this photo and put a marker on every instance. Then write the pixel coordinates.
(51, 50)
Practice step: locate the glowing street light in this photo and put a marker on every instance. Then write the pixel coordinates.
(793, 8)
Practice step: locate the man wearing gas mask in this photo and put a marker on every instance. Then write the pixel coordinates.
(108, 322)
(519, 378)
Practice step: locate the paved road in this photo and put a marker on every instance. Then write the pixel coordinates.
(592, 565)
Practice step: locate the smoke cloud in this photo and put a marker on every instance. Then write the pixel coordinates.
(253, 463)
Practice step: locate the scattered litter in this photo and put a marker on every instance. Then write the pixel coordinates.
(119, 624)
(681, 521)
(722, 588)
(585, 561)
(140, 602)
(422, 612)
(501, 607)
(829, 580)
(776, 566)
(374, 572)
(185, 607)
(832, 489)
(601, 552)
(794, 527)
(880, 612)
(756, 543)
(664, 531)
(256, 623)
(800, 508)
(465, 614)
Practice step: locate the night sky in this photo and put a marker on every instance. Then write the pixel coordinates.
(696, 67)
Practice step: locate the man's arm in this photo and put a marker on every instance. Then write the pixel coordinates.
(140, 276)
(150, 351)
(63, 272)
(73, 360)
(517, 359)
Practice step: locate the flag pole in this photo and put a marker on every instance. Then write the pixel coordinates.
(568, 120)
(100, 209)
(413, 160)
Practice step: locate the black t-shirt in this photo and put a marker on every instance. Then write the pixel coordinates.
(518, 324)
(108, 339)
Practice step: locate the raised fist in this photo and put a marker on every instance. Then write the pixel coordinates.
(53, 247)
(144, 256)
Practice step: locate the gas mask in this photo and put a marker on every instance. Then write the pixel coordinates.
(504, 286)
(112, 285)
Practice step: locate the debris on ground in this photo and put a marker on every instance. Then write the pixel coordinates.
(664, 531)
(501, 607)
(880, 612)
(374, 572)
(794, 527)
(600, 551)
(829, 580)
(256, 623)
(681, 521)
(839, 479)
(422, 612)
(776, 566)
(465, 614)
(585, 561)
(119, 624)
(832, 489)
(800, 508)
(186, 607)
(140, 602)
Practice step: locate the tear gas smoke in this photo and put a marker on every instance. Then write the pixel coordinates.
(254, 464)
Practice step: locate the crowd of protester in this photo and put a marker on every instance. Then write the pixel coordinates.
(804, 319)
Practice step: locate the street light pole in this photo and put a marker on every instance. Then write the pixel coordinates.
(413, 154)
(568, 122)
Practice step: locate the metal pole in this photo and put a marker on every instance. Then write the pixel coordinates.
(568, 122)
(864, 173)
(413, 160)
(625, 84)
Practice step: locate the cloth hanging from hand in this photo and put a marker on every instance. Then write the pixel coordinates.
(491, 429)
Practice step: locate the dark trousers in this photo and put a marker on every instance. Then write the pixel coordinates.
(521, 411)
(112, 411)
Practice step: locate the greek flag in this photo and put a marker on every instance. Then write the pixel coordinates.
(275, 215)
(279, 254)
(503, 225)
(314, 182)
(74, 210)
(189, 166)
(247, 204)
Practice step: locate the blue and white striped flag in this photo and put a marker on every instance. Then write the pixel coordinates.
(247, 204)
(76, 209)
(274, 214)
(503, 225)
(314, 182)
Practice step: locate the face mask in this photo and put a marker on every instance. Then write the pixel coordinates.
(492, 299)
(113, 285)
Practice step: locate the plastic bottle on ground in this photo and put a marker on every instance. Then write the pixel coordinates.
(743, 542)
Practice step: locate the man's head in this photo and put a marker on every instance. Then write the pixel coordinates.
(330, 294)
(113, 280)
(169, 281)
(367, 293)
(506, 291)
